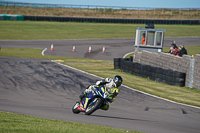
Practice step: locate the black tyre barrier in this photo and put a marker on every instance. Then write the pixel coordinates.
(111, 20)
(117, 64)
(137, 66)
(154, 73)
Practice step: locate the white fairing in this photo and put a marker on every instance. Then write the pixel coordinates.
(76, 105)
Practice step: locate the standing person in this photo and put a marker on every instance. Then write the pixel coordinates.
(182, 50)
(143, 39)
(174, 46)
(176, 52)
(173, 51)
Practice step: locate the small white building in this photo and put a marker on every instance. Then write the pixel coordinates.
(149, 39)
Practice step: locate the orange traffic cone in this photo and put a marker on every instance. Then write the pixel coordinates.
(52, 46)
(74, 48)
(90, 49)
(103, 50)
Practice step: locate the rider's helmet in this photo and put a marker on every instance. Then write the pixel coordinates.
(117, 80)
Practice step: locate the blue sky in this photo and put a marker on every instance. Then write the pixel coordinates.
(123, 3)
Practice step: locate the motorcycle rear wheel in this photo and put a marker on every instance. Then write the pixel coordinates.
(75, 108)
(93, 107)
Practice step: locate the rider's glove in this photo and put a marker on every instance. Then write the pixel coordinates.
(107, 79)
(98, 83)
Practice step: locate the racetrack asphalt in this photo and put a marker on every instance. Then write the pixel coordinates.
(114, 48)
(45, 89)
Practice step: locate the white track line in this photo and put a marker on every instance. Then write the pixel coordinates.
(127, 86)
(127, 54)
(44, 51)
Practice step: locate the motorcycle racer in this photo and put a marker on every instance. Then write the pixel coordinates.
(112, 87)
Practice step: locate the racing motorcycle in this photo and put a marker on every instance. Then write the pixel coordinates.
(94, 100)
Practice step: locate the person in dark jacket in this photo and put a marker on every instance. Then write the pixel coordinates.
(174, 46)
(182, 50)
(175, 49)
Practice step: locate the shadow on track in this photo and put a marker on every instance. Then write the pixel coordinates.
(120, 118)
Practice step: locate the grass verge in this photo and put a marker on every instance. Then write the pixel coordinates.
(175, 93)
(19, 123)
(31, 30)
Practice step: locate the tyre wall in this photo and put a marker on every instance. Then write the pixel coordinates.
(154, 73)
(110, 20)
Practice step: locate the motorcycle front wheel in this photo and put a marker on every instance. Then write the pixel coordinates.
(75, 108)
(93, 106)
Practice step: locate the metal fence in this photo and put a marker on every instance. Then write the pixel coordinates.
(102, 9)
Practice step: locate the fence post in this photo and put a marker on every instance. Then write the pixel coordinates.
(23, 6)
(146, 11)
(197, 11)
(30, 5)
(137, 10)
(180, 11)
(163, 11)
(191, 73)
(6, 5)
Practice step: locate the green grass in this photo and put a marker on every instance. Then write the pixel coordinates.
(19, 123)
(29, 30)
(175, 93)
